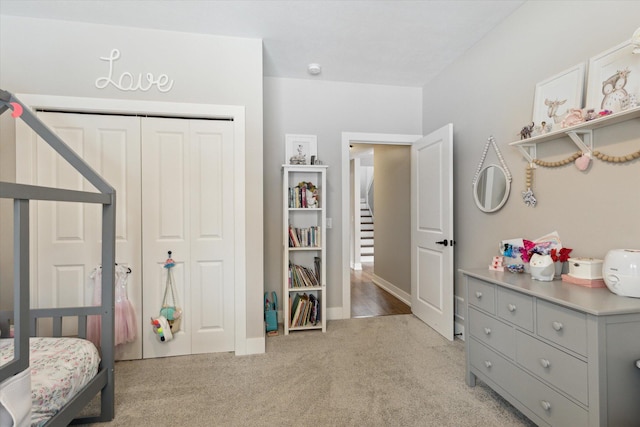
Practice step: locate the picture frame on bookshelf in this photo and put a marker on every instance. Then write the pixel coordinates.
(556, 96)
(614, 79)
(300, 149)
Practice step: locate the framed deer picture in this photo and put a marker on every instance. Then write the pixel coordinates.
(556, 96)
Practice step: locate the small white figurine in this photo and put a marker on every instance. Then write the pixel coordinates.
(542, 267)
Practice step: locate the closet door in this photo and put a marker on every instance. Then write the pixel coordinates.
(68, 235)
(187, 182)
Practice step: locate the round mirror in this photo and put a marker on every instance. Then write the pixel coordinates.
(491, 189)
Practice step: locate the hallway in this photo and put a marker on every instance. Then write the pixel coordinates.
(369, 300)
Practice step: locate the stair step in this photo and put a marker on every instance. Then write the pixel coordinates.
(366, 220)
(366, 258)
(366, 234)
(366, 250)
(366, 242)
(366, 227)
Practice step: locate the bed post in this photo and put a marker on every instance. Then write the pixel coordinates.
(107, 338)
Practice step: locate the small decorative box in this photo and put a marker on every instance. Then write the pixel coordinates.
(585, 268)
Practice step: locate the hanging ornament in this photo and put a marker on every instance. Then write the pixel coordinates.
(582, 162)
(527, 196)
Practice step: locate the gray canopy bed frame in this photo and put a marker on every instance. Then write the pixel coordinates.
(24, 318)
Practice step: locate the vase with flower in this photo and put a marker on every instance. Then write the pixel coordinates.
(560, 258)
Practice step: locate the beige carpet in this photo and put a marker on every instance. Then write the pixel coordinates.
(383, 371)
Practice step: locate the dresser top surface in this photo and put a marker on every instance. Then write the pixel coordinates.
(596, 301)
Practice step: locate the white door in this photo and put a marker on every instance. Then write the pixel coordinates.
(432, 230)
(68, 235)
(187, 195)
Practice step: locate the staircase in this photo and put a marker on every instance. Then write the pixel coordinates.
(366, 233)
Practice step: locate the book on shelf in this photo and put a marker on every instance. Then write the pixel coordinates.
(305, 310)
(307, 237)
(302, 277)
(303, 195)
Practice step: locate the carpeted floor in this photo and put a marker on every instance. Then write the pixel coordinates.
(382, 371)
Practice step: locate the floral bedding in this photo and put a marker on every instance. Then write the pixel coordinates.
(60, 367)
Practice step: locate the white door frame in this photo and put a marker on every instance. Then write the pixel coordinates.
(182, 110)
(349, 138)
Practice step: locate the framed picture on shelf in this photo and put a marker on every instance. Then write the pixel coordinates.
(614, 79)
(556, 96)
(300, 149)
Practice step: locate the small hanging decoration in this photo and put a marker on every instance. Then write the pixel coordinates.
(527, 196)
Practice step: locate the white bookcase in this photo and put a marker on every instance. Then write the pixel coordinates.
(304, 256)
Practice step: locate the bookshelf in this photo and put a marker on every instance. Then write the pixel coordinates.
(304, 247)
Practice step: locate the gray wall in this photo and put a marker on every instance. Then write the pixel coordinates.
(392, 175)
(62, 58)
(325, 109)
(489, 91)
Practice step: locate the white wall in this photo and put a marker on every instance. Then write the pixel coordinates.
(392, 171)
(489, 91)
(325, 109)
(62, 58)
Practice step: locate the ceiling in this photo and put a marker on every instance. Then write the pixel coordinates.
(404, 43)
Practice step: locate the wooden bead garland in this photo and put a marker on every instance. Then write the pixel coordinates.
(559, 163)
(617, 159)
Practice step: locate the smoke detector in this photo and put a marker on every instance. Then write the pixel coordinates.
(314, 69)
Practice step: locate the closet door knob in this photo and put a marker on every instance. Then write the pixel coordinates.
(512, 307)
(478, 294)
(487, 331)
(638, 364)
(557, 326)
(487, 363)
(545, 405)
(545, 363)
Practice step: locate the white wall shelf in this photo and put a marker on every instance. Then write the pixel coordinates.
(581, 134)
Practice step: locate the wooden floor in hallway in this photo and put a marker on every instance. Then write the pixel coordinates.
(369, 300)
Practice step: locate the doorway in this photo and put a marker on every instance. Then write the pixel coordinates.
(366, 293)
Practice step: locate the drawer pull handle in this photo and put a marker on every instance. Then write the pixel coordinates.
(487, 363)
(545, 363)
(487, 331)
(557, 326)
(478, 294)
(545, 405)
(512, 307)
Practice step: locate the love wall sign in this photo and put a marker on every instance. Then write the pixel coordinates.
(128, 82)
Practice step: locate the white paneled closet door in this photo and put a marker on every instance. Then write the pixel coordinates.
(187, 196)
(174, 181)
(68, 235)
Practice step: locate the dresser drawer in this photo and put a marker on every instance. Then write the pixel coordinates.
(492, 332)
(482, 294)
(516, 308)
(563, 326)
(491, 364)
(556, 367)
(548, 404)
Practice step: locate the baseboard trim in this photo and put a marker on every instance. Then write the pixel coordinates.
(254, 346)
(392, 289)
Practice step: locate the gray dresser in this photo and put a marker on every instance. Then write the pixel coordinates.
(564, 355)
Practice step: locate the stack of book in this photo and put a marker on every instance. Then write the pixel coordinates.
(304, 309)
(304, 237)
(304, 195)
(304, 277)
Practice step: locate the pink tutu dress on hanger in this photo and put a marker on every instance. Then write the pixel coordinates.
(125, 316)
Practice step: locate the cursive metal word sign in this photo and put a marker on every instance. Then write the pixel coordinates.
(128, 82)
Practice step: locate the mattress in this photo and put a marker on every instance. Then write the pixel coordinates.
(60, 367)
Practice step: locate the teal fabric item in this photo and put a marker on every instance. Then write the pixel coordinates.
(271, 311)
